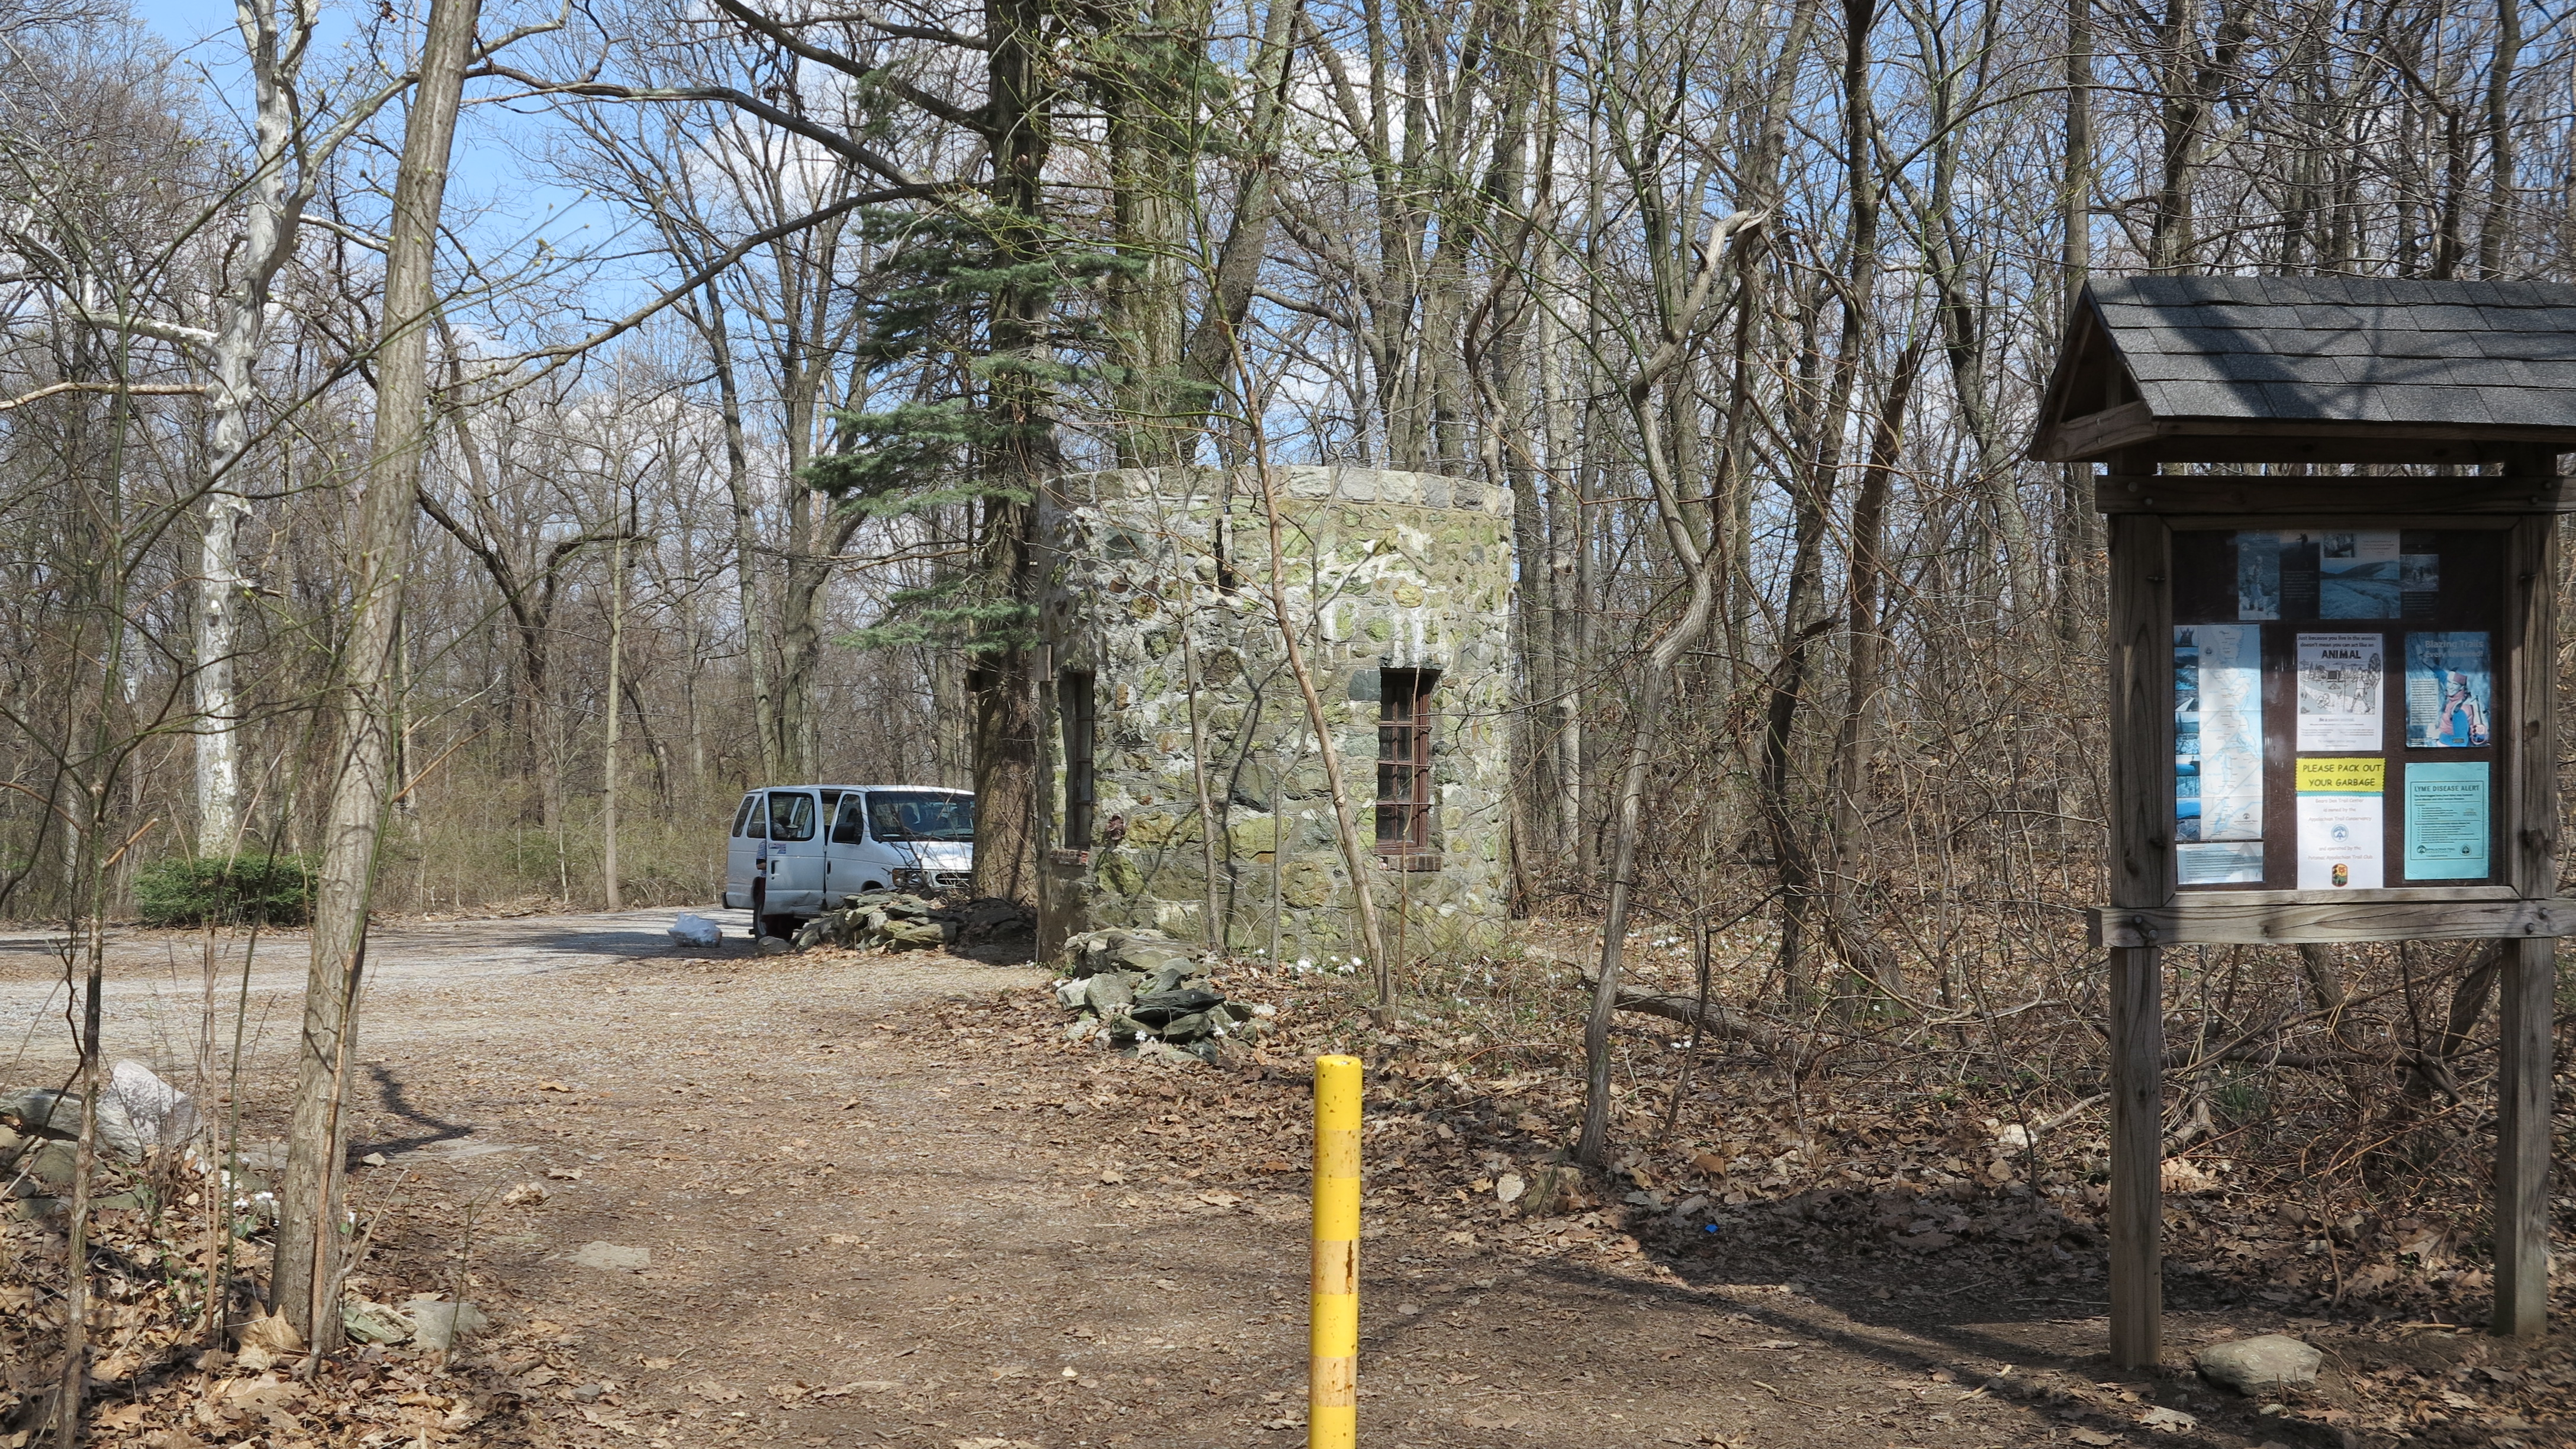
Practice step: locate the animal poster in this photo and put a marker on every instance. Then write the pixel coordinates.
(2340, 684)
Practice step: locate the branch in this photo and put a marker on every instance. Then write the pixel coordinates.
(823, 136)
(779, 35)
(1714, 1018)
(731, 255)
(185, 336)
(132, 389)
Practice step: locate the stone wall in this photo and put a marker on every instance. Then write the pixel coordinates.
(1149, 572)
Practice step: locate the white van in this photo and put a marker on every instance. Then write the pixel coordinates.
(800, 850)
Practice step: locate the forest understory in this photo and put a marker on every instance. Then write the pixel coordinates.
(883, 1200)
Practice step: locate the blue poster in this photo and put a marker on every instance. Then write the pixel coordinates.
(2446, 821)
(2218, 733)
(2450, 692)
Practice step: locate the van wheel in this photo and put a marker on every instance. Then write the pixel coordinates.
(783, 927)
(874, 885)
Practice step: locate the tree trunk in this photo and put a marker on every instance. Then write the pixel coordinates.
(306, 1283)
(615, 894)
(2498, 226)
(746, 536)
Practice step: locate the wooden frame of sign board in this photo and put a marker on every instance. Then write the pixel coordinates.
(2150, 910)
(2154, 374)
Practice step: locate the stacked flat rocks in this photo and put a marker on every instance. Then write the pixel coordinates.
(896, 921)
(880, 921)
(1141, 990)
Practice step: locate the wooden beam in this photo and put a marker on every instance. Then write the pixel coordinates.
(2094, 434)
(2216, 919)
(2137, 1157)
(2140, 647)
(2522, 1140)
(2523, 1095)
(2240, 493)
(2286, 440)
(2528, 794)
(2372, 450)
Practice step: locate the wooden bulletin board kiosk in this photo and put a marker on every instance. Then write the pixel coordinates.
(2332, 647)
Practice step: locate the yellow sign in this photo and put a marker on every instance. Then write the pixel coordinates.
(2346, 776)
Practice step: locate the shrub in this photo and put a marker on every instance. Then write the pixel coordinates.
(272, 890)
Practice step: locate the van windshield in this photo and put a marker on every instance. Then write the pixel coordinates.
(920, 815)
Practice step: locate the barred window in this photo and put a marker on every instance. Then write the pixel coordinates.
(1404, 799)
(1074, 703)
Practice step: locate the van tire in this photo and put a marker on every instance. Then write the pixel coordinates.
(783, 927)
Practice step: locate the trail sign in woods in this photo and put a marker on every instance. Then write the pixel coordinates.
(2332, 695)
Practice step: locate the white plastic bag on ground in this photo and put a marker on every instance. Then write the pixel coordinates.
(694, 930)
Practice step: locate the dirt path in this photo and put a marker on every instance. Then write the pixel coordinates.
(838, 1200)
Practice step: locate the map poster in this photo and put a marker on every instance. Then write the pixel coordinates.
(2450, 691)
(2339, 813)
(2229, 731)
(2339, 691)
(2359, 575)
(2446, 821)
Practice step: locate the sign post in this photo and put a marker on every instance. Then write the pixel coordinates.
(2332, 703)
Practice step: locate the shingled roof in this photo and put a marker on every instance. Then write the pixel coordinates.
(2172, 364)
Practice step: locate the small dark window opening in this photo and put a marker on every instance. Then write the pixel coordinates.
(757, 827)
(1404, 729)
(1081, 724)
(742, 817)
(850, 826)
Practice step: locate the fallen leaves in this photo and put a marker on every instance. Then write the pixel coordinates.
(715, 1393)
(526, 1194)
(2168, 1421)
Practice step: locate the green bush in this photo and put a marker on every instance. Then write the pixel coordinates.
(272, 890)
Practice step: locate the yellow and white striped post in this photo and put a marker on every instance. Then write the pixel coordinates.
(1333, 1342)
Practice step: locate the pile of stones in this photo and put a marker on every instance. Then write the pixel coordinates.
(880, 921)
(1142, 991)
(897, 921)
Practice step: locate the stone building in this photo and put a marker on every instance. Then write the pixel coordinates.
(1157, 613)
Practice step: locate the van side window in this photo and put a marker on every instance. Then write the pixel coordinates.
(1081, 722)
(850, 826)
(756, 821)
(791, 815)
(742, 817)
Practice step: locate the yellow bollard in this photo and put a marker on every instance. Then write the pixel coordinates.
(1333, 1343)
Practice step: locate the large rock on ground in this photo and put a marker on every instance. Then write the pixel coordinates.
(2259, 1365)
(1141, 951)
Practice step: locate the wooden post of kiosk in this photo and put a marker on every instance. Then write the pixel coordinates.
(2332, 707)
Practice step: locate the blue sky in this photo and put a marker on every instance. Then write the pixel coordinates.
(491, 179)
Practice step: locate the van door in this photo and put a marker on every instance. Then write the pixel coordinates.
(852, 862)
(795, 855)
(742, 852)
